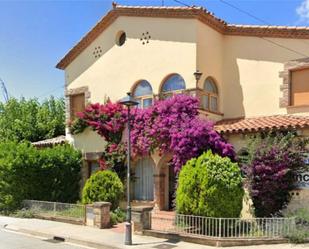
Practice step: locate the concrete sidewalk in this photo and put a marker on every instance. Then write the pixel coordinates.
(103, 239)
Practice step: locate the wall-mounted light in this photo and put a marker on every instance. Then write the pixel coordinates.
(197, 75)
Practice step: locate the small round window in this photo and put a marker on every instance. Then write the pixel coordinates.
(121, 38)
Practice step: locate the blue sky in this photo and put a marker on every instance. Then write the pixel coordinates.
(34, 35)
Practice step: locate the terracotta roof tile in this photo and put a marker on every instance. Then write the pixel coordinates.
(254, 124)
(50, 142)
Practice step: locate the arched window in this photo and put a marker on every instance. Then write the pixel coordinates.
(210, 95)
(173, 84)
(143, 93)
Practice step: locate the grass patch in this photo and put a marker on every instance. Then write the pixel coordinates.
(23, 213)
(301, 232)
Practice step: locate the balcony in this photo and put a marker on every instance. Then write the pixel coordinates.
(201, 95)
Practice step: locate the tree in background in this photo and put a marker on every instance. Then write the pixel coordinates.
(31, 120)
(50, 174)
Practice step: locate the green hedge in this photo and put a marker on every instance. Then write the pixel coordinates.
(50, 174)
(211, 186)
(103, 186)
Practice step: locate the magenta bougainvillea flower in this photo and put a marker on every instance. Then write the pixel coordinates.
(108, 120)
(271, 172)
(171, 126)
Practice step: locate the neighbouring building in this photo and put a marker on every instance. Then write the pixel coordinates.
(254, 78)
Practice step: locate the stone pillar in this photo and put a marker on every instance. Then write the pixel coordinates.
(160, 191)
(98, 215)
(89, 215)
(141, 218)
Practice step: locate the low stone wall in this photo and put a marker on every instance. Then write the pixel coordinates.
(299, 200)
(60, 219)
(98, 215)
(141, 218)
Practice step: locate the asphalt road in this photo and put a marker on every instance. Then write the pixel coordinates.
(9, 240)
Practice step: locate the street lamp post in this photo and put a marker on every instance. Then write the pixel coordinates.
(129, 102)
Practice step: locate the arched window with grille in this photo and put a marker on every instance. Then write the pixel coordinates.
(210, 95)
(143, 94)
(173, 84)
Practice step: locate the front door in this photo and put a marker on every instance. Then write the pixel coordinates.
(144, 183)
(171, 188)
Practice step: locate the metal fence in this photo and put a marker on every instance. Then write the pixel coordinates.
(66, 211)
(225, 227)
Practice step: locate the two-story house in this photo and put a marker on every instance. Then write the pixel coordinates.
(254, 78)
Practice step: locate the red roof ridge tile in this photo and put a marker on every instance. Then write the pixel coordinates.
(278, 27)
(197, 12)
(253, 124)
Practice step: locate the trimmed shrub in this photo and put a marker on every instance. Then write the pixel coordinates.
(51, 174)
(103, 186)
(210, 185)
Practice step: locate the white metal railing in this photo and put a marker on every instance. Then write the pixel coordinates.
(225, 227)
(56, 209)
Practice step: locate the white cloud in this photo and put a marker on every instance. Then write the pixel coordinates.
(303, 11)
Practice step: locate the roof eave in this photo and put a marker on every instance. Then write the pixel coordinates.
(198, 13)
(87, 39)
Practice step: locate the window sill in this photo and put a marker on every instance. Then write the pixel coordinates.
(212, 112)
(298, 109)
(297, 106)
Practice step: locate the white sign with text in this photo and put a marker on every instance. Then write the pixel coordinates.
(303, 178)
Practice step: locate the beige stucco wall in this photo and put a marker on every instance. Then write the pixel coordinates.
(240, 141)
(210, 58)
(87, 141)
(246, 69)
(171, 49)
(251, 67)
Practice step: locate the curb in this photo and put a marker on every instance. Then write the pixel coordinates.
(60, 237)
(215, 242)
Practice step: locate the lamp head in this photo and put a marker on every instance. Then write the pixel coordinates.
(197, 75)
(128, 101)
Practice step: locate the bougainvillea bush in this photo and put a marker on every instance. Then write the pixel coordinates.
(114, 157)
(211, 186)
(173, 126)
(271, 167)
(108, 120)
(170, 126)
